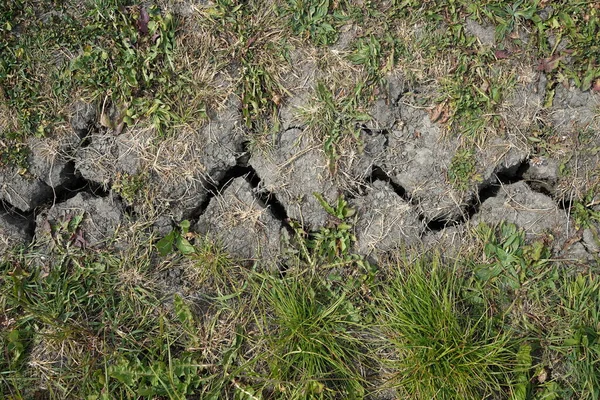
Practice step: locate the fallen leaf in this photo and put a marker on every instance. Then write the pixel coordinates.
(549, 64)
(596, 86)
(142, 22)
(119, 128)
(105, 120)
(78, 240)
(502, 54)
(439, 113)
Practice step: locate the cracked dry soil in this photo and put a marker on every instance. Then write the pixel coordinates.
(246, 197)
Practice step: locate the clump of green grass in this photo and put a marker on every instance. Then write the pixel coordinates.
(447, 345)
(462, 172)
(580, 306)
(333, 118)
(317, 20)
(255, 43)
(80, 323)
(310, 349)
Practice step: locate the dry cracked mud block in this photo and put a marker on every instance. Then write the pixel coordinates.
(187, 165)
(237, 220)
(49, 170)
(536, 213)
(101, 218)
(13, 231)
(569, 164)
(384, 221)
(416, 154)
(542, 175)
(417, 158)
(573, 109)
(293, 171)
(107, 155)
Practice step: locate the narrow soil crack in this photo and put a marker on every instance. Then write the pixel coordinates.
(502, 176)
(378, 174)
(490, 188)
(243, 170)
(15, 216)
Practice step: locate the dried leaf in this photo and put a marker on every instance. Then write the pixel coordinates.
(502, 54)
(78, 240)
(549, 64)
(596, 85)
(439, 113)
(105, 120)
(119, 128)
(142, 22)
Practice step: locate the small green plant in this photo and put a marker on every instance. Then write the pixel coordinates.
(176, 239)
(377, 55)
(463, 170)
(334, 119)
(311, 352)
(316, 19)
(333, 243)
(260, 51)
(13, 153)
(128, 186)
(583, 214)
(446, 344)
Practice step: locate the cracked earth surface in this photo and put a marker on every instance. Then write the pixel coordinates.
(397, 181)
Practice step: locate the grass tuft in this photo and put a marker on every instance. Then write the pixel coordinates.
(447, 346)
(310, 349)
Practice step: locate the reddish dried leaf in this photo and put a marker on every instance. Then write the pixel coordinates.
(502, 54)
(439, 113)
(142, 22)
(596, 85)
(78, 240)
(549, 64)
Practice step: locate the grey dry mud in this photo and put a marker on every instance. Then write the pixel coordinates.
(245, 196)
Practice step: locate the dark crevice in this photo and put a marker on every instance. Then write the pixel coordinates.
(294, 127)
(18, 218)
(75, 184)
(503, 176)
(243, 169)
(402, 93)
(490, 188)
(541, 186)
(214, 188)
(374, 131)
(378, 174)
(266, 199)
